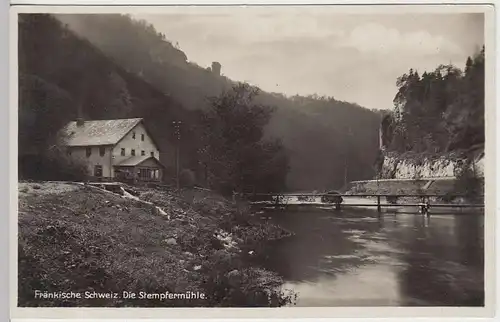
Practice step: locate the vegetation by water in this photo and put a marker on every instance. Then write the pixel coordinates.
(468, 185)
(234, 153)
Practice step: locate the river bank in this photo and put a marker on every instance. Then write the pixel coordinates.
(76, 238)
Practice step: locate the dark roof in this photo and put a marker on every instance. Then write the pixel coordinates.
(102, 132)
(136, 160)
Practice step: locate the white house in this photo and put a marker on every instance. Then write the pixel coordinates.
(121, 148)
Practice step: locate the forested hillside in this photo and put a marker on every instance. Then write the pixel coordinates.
(438, 111)
(60, 72)
(119, 67)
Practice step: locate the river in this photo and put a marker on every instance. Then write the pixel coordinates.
(357, 258)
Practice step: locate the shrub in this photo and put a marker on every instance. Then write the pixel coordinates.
(59, 166)
(392, 199)
(187, 178)
(231, 283)
(306, 198)
(467, 183)
(448, 197)
(53, 164)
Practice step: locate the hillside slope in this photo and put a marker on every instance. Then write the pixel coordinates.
(321, 134)
(58, 72)
(82, 239)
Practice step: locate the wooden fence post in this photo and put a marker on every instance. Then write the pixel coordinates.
(427, 206)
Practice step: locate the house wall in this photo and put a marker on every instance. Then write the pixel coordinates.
(113, 155)
(129, 143)
(79, 153)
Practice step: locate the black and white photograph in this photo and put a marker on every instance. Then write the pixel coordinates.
(252, 157)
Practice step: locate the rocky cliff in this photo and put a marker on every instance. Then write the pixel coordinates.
(444, 165)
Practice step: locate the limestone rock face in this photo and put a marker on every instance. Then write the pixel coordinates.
(401, 167)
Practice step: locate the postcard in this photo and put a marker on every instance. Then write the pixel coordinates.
(252, 161)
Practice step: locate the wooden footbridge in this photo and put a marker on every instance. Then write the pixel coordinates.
(422, 202)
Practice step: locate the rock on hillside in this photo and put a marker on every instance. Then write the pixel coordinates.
(420, 165)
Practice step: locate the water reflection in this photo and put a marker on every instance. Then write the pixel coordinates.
(372, 285)
(357, 258)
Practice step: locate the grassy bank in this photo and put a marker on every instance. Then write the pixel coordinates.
(80, 239)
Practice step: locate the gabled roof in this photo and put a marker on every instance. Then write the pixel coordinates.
(101, 132)
(136, 160)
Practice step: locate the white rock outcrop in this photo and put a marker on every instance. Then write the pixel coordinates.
(396, 167)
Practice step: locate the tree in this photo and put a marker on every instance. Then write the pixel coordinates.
(234, 153)
(119, 97)
(42, 112)
(442, 110)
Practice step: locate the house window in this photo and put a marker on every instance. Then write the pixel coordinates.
(133, 135)
(142, 137)
(152, 153)
(102, 151)
(143, 152)
(88, 152)
(132, 152)
(123, 152)
(98, 171)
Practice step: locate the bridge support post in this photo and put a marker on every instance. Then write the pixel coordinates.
(379, 208)
(424, 207)
(337, 206)
(424, 210)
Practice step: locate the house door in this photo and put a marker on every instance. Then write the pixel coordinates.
(144, 174)
(98, 171)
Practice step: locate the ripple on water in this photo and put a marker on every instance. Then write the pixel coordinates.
(343, 256)
(356, 220)
(387, 260)
(354, 231)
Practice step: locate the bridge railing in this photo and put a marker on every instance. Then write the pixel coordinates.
(350, 195)
(305, 199)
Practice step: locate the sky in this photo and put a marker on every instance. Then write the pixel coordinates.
(351, 57)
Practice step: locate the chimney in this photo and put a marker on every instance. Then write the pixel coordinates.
(79, 119)
(216, 68)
